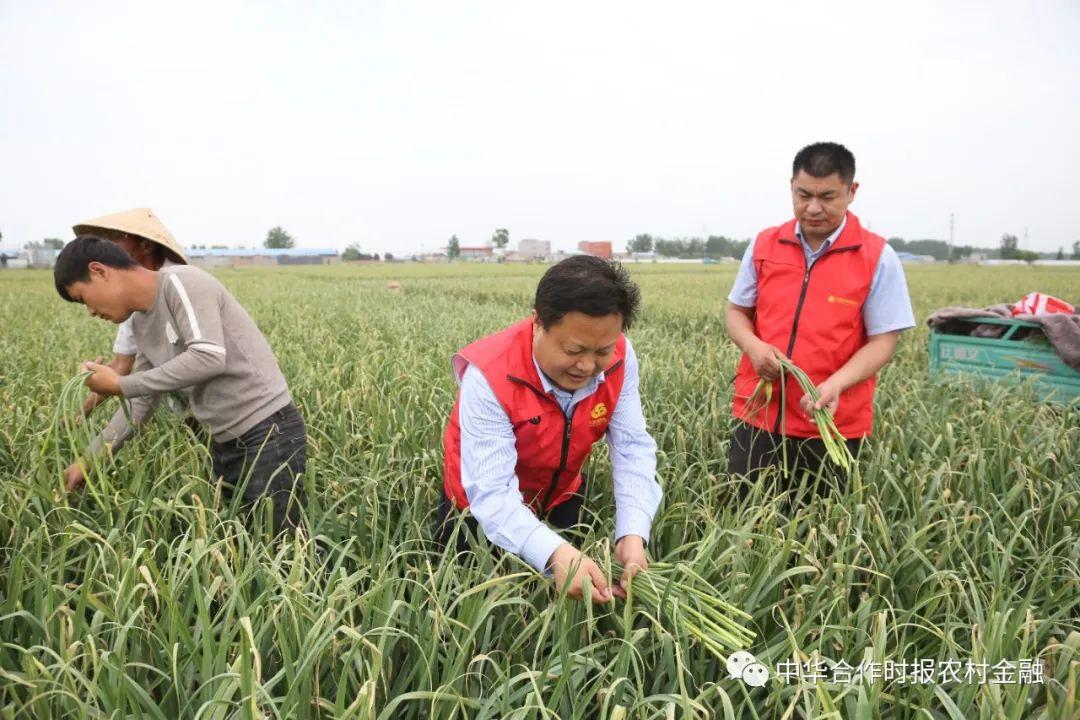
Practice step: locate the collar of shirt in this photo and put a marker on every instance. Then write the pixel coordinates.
(811, 254)
(566, 398)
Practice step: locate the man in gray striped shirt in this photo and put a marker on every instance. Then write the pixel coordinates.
(192, 336)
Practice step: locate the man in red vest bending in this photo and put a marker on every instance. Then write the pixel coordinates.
(830, 295)
(533, 400)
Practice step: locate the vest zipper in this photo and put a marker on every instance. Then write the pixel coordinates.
(798, 312)
(568, 425)
(568, 430)
(794, 331)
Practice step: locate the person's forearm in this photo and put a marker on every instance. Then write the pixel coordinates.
(195, 365)
(92, 401)
(510, 525)
(119, 429)
(122, 364)
(633, 469)
(740, 328)
(866, 362)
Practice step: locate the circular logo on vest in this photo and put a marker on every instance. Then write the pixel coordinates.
(598, 415)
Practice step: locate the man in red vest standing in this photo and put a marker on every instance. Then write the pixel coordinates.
(534, 398)
(830, 295)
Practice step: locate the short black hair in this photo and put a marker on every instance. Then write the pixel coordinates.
(822, 159)
(73, 262)
(589, 285)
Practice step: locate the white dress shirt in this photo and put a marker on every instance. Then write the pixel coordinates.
(489, 458)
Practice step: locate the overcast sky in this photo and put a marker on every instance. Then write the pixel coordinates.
(397, 124)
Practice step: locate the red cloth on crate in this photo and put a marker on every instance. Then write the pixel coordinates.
(1037, 303)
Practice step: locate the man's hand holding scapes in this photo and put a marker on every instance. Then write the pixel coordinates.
(74, 477)
(829, 398)
(630, 552)
(570, 565)
(766, 360)
(105, 381)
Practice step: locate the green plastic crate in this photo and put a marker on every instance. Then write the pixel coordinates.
(1021, 355)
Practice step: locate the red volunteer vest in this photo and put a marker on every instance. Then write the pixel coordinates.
(551, 448)
(814, 316)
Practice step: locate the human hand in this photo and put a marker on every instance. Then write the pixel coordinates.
(91, 401)
(105, 381)
(74, 477)
(829, 398)
(571, 566)
(630, 552)
(766, 360)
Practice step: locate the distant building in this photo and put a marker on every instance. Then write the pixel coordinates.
(478, 252)
(40, 257)
(260, 257)
(534, 249)
(14, 261)
(907, 257)
(599, 249)
(559, 255)
(1057, 263)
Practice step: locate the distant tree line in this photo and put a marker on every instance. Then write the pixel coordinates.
(1008, 249)
(719, 246)
(714, 246)
(353, 252)
(938, 249)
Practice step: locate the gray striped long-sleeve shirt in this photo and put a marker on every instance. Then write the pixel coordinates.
(196, 338)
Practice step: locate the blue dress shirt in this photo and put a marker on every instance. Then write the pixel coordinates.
(887, 307)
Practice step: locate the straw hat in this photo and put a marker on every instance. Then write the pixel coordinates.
(141, 222)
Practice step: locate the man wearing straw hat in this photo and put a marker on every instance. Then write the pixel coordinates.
(192, 336)
(149, 243)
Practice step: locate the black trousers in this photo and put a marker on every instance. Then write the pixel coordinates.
(754, 449)
(563, 516)
(267, 461)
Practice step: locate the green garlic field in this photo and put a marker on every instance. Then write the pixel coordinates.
(146, 595)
